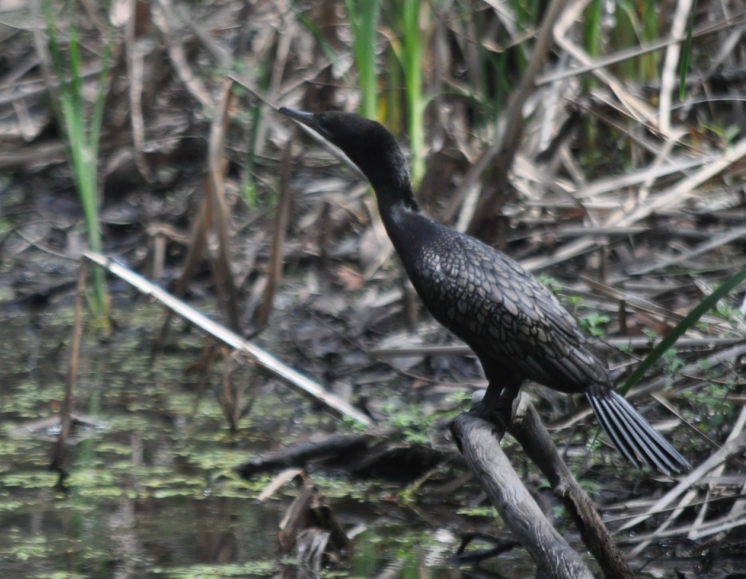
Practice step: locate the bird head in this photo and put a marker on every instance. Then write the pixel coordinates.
(366, 143)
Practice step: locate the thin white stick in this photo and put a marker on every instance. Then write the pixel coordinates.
(296, 380)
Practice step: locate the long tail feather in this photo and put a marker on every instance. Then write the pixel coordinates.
(628, 435)
(666, 453)
(610, 428)
(632, 435)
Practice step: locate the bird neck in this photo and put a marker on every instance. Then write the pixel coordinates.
(399, 212)
(395, 200)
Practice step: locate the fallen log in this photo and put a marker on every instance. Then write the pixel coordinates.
(492, 469)
(527, 428)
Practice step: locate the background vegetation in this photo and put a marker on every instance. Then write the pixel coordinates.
(147, 131)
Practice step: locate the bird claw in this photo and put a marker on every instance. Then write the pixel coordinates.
(493, 416)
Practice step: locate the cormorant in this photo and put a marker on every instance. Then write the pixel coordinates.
(514, 324)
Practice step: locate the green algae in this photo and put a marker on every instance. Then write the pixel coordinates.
(24, 547)
(29, 479)
(250, 569)
(150, 480)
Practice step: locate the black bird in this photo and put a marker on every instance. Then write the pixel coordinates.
(514, 324)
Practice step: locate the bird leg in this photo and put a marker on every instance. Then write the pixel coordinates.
(498, 404)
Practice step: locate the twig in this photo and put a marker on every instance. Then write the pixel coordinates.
(59, 459)
(163, 16)
(308, 451)
(195, 249)
(282, 217)
(728, 450)
(296, 380)
(506, 146)
(709, 528)
(135, 66)
(220, 53)
(280, 479)
(677, 194)
(735, 431)
(634, 52)
(284, 39)
(699, 250)
(38, 244)
(219, 212)
(213, 212)
(691, 495)
(668, 76)
(673, 196)
(463, 350)
(613, 519)
(250, 86)
(635, 107)
(644, 175)
(718, 358)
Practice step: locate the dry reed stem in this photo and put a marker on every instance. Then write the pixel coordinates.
(60, 453)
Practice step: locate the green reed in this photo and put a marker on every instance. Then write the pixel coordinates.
(82, 134)
(363, 15)
(412, 21)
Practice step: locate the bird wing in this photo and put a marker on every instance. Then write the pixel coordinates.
(504, 313)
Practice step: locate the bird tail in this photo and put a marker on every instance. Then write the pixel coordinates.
(632, 435)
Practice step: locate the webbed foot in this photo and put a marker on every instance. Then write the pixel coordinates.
(495, 415)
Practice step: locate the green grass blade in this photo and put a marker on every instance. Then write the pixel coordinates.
(327, 48)
(592, 35)
(98, 107)
(649, 62)
(412, 60)
(81, 140)
(248, 190)
(394, 92)
(54, 47)
(707, 304)
(75, 84)
(686, 53)
(363, 16)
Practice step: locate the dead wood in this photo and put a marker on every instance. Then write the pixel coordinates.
(481, 449)
(282, 218)
(296, 380)
(136, 51)
(730, 449)
(164, 17)
(295, 517)
(504, 150)
(367, 455)
(396, 462)
(691, 495)
(632, 343)
(722, 357)
(59, 456)
(219, 211)
(281, 479)
(304, 452)
(665, 206)
(308, 512)
(501, 546)
(213, 213)
(530, 432)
